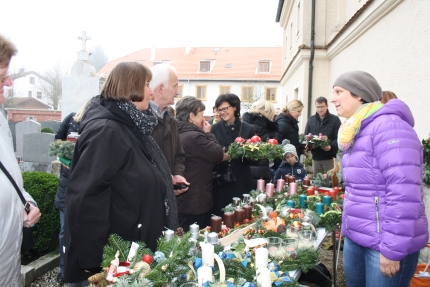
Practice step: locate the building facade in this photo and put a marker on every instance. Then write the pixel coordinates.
(249, 72)
(387, 38)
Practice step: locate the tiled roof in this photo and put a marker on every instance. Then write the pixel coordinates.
(244, 62)
(28, 103)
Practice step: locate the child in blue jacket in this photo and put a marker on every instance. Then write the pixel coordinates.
(291, 164)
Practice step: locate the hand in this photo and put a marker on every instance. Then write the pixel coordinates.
(32, 217)
(388, 267)
(177, 179)
(326, 148)
(207, 127)
(225, 157)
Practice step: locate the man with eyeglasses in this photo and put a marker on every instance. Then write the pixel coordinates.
(12, 214)
(327, 124)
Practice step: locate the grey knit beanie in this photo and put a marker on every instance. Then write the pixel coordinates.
(289, 148)
(361, 84)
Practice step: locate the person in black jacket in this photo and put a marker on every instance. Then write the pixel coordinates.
(119, 180)
(327, 124)
(259, 118)
(68, 125)
(226, 131)
(288, 127)
(202, 152)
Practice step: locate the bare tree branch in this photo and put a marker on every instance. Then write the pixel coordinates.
(52, 85)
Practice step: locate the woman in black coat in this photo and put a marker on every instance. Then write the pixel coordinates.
(119, 180)
(288, 127)
(259, 118)
(226, 131)
(202, 152)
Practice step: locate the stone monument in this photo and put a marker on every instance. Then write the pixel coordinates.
(82, 83)
(30, 126)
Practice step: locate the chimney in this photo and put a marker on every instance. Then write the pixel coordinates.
(188, 47)
(153, 53)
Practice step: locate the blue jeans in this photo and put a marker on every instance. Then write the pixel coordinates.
(61, 239)
(362, 267)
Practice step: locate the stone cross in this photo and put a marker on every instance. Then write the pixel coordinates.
(84, 38)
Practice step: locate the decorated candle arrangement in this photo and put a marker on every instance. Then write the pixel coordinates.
(239, 215)
(207, 254)
(306, 181)
(292, 188)
(319, 207)
(280, 183)
(270, 189)
(302, 198)
(327, 200)
(204, 274)
(260, 184)
(292, 179)
(290, 203)
(263, 277)
(332, 193)
(216, 223)
(168, 234)
(261, 257)
(248, 211)
(194, 228)
(310, 191)
(229, 219)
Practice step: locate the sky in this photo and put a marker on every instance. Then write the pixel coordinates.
(46, 31)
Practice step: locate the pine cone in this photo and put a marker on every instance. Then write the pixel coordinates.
(179, 232)
(198, 247)
(96, 278)
(282, 228)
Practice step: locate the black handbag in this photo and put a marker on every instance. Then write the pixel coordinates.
(27, 232)
(222, 175)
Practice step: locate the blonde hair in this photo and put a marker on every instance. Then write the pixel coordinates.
(294, 105)
(263, 108)
(78, 116)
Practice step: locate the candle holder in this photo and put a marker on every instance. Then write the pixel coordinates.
(274, 246)
(236, 201)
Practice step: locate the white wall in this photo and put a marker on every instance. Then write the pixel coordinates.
(395, 51)
(22, 86)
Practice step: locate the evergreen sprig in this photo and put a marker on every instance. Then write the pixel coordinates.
(255, 151)
(61, 149)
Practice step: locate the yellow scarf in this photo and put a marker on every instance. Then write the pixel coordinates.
(350, 128)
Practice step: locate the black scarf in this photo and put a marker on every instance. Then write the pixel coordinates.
(146, 121)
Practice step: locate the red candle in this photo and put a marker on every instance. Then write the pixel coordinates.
(248, 211)
(310, 191)
(280, 185)
(270, 189)
(229, 219)
(216, 223)
(292, 179)
(260, 184)
(239, 215)
(306, 181)
(287, 178)
(332, 193)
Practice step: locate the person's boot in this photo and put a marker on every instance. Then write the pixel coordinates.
(60, 277)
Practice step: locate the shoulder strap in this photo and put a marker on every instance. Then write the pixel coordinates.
(14, 185)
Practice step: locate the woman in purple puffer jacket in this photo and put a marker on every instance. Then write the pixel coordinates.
(383, 211)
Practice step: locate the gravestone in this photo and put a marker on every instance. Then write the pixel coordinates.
(81, 84)
(30, 126)
(36, 148)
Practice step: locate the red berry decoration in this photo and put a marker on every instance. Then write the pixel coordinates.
(239, 140)
(255, 139)
(272, 141)
(147, 258)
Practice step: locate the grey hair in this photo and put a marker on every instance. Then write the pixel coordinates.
(160, 75)
(187, 105)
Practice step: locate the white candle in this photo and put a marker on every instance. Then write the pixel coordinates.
(204, 275)
(263, 277)
(261, 258)
(207, 254)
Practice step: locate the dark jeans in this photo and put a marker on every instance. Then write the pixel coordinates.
(203, 220)
(362, 268)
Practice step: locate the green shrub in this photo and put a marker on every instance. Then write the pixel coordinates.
(42, 187)
(47, 130)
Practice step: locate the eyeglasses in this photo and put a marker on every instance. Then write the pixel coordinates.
(3, 78)
(223, 109)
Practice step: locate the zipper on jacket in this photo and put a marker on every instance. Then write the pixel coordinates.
(377, 214)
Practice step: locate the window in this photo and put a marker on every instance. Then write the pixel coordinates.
(156, 63)
(224, 90)
(29, 94)
(205, 66)
(263, 67)
(271, 94)
(247, 94)
(290, 35)
(201, 92)
(181, 92)
(32, 80)
(39, 95)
